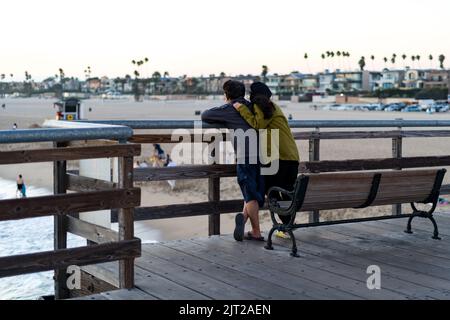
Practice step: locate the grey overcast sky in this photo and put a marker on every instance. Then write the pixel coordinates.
(201, 37)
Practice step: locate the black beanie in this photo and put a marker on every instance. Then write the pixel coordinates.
(259, 88)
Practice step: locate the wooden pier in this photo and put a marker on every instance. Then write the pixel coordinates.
(333, 265)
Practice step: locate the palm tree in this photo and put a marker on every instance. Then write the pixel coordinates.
(362, 63)
(372, 57)
(413, 59)
(430, 57)
(166, 74)
(418, 60)
(441, 60)
(306, 60)
(328, 53)
(27, 83)
(323, 60)
(338, 54)
(394, 59)
(404, 56)
(394, 56)
(264, 72)
(332, 59)
(385, 61)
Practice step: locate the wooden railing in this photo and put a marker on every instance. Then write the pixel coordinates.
(214, 206)
(88, 194)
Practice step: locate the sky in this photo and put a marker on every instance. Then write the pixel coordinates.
(202, 37)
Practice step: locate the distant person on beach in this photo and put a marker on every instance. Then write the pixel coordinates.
(268, 115)
(4, 106)
(248, 166)
(158, 151)
(159, 155)
(21, 186)
(170, 163)
(14, 126)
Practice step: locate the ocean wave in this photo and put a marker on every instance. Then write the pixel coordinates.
(27, 236)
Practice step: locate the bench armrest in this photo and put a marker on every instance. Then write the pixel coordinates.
(290, 194)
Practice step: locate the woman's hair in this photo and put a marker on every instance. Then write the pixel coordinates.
(260, 95)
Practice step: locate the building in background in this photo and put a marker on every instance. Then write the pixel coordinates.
(390, 79)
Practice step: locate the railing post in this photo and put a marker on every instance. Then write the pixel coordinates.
(314, 155)
(397, 153)
(214, 196)
(126, 223)
(60, 228)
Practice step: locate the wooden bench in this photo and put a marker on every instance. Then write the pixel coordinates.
(328, 191)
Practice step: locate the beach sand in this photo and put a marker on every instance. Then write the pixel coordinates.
(32, 112)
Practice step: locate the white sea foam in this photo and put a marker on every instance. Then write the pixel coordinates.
(26, 236)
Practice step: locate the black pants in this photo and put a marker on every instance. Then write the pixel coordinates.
(285, 178)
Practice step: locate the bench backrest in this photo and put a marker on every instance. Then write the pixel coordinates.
(359, 189)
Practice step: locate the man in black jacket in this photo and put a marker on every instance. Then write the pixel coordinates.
(246, 149)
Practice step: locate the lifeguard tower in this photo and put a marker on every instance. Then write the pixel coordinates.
(69, 109)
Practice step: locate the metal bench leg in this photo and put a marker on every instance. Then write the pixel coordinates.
(435, 231)
(269, 246)
(408, 226)
(294, 244)
(424, 214)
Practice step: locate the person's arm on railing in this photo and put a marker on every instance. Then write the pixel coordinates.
(255, 120)
(213, 115)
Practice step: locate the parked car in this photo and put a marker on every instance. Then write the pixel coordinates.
(381, 107)
(331, 106)
(442, 108)
(395, 107)
(412, 108)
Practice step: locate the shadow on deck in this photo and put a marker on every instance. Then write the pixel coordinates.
(333, 265)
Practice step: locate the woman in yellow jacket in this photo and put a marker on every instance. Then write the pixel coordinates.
(267, 115)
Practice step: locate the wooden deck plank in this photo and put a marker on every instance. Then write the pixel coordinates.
(157, 286)
(370, 247)
(128, 294)
(415, 244)
(191, 279)
(333, 249)
(425, 225)
(238, 261)
(261, 288)
(355, 285)
(412, 283)
(348, 269)
(413, 247)
(98, 296)
(366, 240)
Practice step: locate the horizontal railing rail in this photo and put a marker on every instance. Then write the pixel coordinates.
(324, 135)
(61, 131)
(190, 124)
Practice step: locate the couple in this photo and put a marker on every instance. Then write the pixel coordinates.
(258, 113)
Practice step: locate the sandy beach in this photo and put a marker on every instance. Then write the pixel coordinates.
(31, 112)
